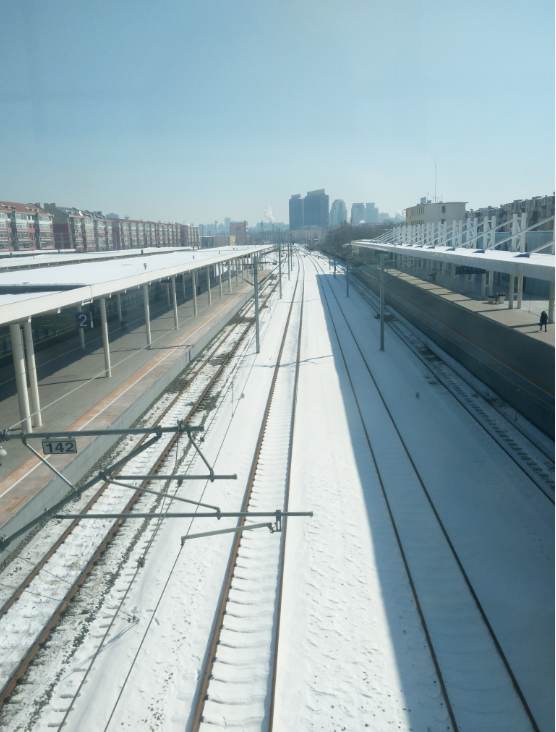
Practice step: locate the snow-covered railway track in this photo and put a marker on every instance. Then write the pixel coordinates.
(468, 658)
(79, 547)
(238, 680)
(525, 449)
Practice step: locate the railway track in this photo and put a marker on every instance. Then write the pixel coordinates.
(461, 603)
(44, 584)
(527, 452)
(238, 681)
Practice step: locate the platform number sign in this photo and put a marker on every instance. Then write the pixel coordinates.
(59, 447)
(83, 320)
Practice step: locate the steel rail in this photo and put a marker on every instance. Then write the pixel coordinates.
(464, 574)
(509, 452)
(221, 609)
(23, 665)
(285, 523)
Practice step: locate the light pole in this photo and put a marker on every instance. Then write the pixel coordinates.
(382, 258)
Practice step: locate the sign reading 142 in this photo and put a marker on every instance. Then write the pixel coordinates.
(59, 446)
(83, 320)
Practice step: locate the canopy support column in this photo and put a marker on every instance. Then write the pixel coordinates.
(147, 316)
(105, 341)
(194, 288)
(220, 280)
(551, 304)
(519, 291)
(208, 285)
(81, 330)
(32, 370)
(174, 301)
(511, 289)
(20, 377)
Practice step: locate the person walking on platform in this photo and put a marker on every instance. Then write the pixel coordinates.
(544, 320)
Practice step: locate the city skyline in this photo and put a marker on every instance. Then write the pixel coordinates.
(86, 115)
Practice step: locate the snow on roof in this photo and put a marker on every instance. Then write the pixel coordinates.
(91, 280)
(538, 266)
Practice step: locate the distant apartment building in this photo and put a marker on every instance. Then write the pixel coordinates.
(358, 213)
(25, 227)
(537, 209)
(435, 213)
(371, 214)
(238, 229)
(296, 212)
(189, 236)
(338, 212)
(217, 241)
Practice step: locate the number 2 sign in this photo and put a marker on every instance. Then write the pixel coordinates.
(83, 320)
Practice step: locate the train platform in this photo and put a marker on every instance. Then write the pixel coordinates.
(76, 393)
(523, 320)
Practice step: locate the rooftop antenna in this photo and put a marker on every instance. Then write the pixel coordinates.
(435, 177)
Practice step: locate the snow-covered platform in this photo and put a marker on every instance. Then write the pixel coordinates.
(74, 397)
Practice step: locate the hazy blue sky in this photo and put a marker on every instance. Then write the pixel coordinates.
(194, 110)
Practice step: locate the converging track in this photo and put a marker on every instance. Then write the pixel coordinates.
(238, 682)
(43, 583)
(452, 615)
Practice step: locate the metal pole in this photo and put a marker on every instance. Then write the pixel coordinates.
(347, 270)
(229, 266)
(194, 286)
(256, 285)
(81, 330)
(551, 304)
(237, 270)
(174, 301)
(105, 342)
(147, 315)
(511, 291)
(280, 267)
(208, 285)
(220, 278)
(20, 376)
(519, 291)
(119, 303)
(183, 285)
(289, 263)
(382, 258)
(32, 371)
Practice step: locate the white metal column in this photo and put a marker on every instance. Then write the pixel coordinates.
(511, 289)
(20, 377)
(174, 301)
(519, 291)
(194, 286)
(208, 285)
(229, 266)
(32, 371)
(119, 303)
(105, 342)
(220, 279)
(81, 330)
(147, 315)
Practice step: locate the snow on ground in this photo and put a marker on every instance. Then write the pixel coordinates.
(351, 645)
(352, 652)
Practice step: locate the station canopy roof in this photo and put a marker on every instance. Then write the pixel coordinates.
(33, 291)
(521, 264)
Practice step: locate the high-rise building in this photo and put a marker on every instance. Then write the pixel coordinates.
(338, 212)
(371, 214)
(296, 212)
(315, 209)
(358, 213)
(227, 223)
(239, 230)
